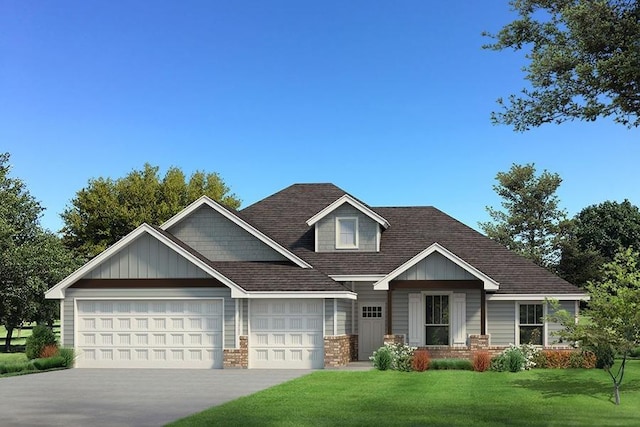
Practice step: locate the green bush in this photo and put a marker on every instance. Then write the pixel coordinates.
(451, 364)
(635, 352)
(382, 358)
(41, 336)
(11, 368)
(516, 358)
(67, 355)
(49, 363)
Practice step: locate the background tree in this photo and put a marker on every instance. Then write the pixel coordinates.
(598, 232)
(31, 259)
(611, 323)
(584, 61)
(531, 224)
(107, 210)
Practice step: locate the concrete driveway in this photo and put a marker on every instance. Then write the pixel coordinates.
(125, 397)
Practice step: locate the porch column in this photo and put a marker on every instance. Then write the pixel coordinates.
(483, 314)
(389, 312)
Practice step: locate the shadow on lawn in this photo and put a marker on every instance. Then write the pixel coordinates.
(550, 384)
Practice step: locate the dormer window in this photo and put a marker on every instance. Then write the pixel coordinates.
(346, 233)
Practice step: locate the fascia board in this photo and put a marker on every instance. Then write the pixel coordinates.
(357, 277)
(57, 292)
(305, 295)
(489, 283)
(353, 202)
(537, 297)
(204, 200)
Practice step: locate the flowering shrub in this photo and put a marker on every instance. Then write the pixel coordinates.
(401, 357)
(515, 358)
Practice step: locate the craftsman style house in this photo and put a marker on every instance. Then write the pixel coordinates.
(309, 277)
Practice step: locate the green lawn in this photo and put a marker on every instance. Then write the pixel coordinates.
(12, 357)
(436, 398)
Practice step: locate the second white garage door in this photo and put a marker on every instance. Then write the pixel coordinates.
(286, 334)
(149, 334)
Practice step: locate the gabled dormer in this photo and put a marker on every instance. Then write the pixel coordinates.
(347, 225)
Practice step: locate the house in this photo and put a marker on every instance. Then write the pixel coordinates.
(309, 277)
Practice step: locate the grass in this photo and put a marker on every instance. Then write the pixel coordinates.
(544, 397)
(12, 358)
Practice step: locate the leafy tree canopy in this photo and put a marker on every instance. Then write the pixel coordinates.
(531, 223)
(107, 209)
(583, 61)
(597, 234)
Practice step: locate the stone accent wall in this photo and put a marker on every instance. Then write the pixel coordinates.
(237, 357)
(394, 339)
(337, 351)
(353, 346)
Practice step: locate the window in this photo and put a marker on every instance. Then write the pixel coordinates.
(371, 311)
(437, 316)
(347, 233)
(531, 324)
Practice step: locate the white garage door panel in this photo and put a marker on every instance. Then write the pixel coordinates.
(286, 334)
(150, 334)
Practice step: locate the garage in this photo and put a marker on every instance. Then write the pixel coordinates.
(286, 334)
(163, 333)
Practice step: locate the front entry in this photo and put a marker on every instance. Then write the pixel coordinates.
(371, 324)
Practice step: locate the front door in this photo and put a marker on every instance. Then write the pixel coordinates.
(371, 325)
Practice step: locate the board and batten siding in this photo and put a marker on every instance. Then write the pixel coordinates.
(146, 258)
(219, 239)
(368, 295)
(72, 294)
(436, 267)
(367, 231)
(400, 309)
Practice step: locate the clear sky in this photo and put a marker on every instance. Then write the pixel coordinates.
(389, 100)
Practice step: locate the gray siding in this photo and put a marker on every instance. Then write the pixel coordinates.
(555, 327)
(146, 258)
(367, 231)
(501, 322)
(436, 267)
(328, 316)
(229, 305)
(367, 294)
(400, 310)
(219, 239)
(344, 316)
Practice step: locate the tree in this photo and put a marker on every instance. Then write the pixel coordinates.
(584, 61)
(31, 259)
(597, 234)
(532, 224)
(107, 210)
(612, 319)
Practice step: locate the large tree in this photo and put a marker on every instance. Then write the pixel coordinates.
(611, 323)
(108, 209)
(531, 223)
(597, 234)
(31, 259)
(583, 61)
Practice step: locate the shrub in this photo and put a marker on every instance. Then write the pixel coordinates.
(382, 358)
(605, 356)
(11, 368)
(451, 364)
(49, 350)
(558, 358)
(635, 352)
(421, 360)
(48, 363)
(67, 355)
(481, 361)
(515, 358)
(540, 359)
(41, 336)
(588, 360)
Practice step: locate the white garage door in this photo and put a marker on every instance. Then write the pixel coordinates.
(286, 334)
(149, 334)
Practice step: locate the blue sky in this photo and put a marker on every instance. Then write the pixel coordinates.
(388, 100)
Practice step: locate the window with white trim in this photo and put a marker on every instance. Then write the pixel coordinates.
(531, 324)
(437, 320)
(347, 233)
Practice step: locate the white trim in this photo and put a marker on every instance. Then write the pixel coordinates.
(353, 202)
(301, 295)
(489, 283)
(378, 238)
(544, 322)
(315, 238)
(339, 244)
(62, 323)
(57, 292)
(204, 200)
(335, 316)
(536, 297)
(357, 277)
(424, 316)
(236, 340)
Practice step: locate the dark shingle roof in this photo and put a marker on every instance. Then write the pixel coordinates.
(283, 217)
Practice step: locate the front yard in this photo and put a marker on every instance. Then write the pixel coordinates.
(544, 397)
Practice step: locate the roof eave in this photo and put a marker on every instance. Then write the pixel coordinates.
(353, 202)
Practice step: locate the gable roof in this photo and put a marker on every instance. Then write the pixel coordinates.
(237, 220)
(284, 215)
(348, 199)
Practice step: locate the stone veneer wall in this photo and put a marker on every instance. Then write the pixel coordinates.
(237, 357)
(338, 350)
